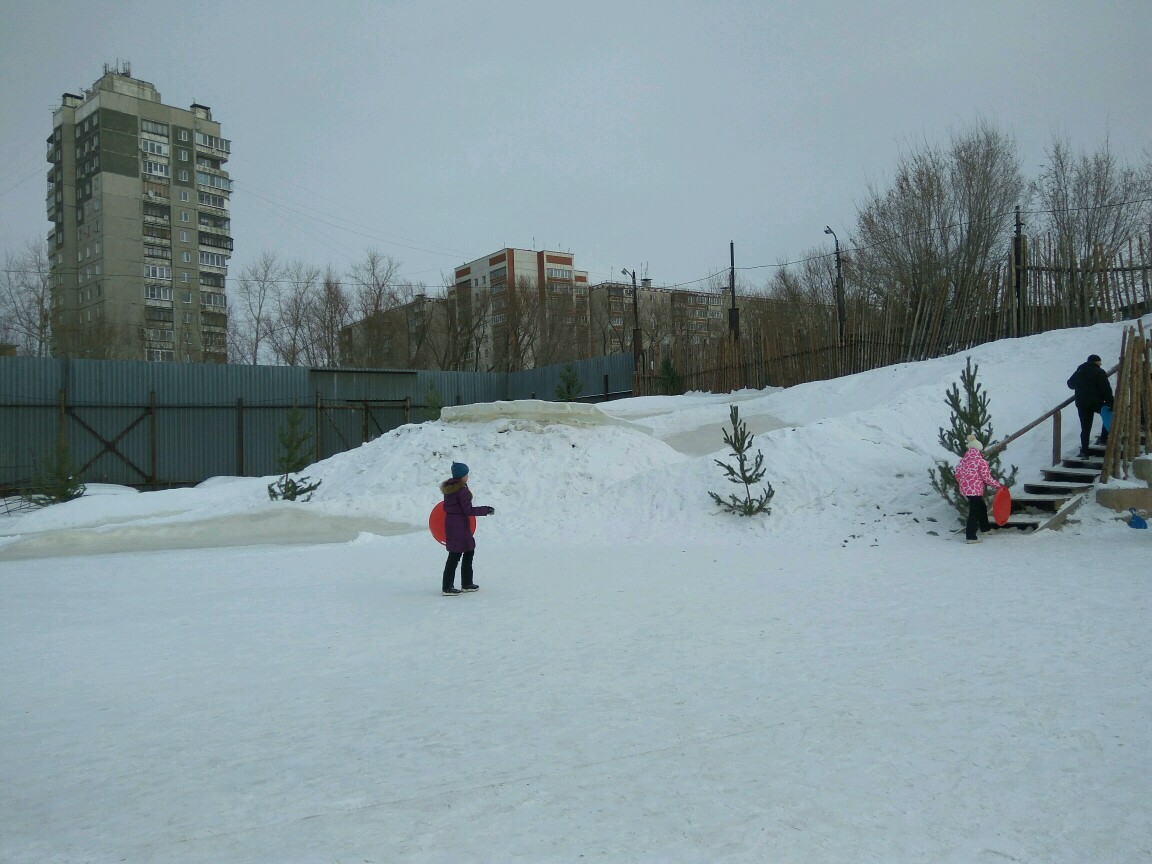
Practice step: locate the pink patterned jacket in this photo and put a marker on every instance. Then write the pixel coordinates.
(973, 474)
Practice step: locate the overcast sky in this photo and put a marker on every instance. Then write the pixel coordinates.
(633, 134)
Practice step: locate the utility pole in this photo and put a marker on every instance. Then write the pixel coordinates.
(636, 336)
(1019, 271)
(841, 312)
(733, 312)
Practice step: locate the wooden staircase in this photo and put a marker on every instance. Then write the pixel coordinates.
(1070, 481)
(1060, 491)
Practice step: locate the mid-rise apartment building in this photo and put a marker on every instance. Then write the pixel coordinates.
(519, 308)
(141, 236)
(661, 316)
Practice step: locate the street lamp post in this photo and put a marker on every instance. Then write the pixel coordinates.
(840, 312)
(636, 353)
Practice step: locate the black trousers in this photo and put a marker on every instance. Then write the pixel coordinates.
(1086, 415)
(465, 571)
(977, 516)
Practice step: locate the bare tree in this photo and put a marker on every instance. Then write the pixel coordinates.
(1093, 207)
(373, 290)
(327, 318)
(252, 308)
(930, 242)
(26, 301)
(373, 284)
(467, 325)
(290, 315)
(516, 326)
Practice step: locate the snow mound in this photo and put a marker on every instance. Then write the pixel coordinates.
(569, 413)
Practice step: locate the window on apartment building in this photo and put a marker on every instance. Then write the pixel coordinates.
(186, 297)
(182, 153)
(184, 192)
(183, 236)
(183, 175)
(217, 201)
(157, 292)
(154, 128)
(184, 216)
(152, 271)
(558, 273)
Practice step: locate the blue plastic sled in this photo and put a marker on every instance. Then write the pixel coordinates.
(1106, 417)
(1137, 521)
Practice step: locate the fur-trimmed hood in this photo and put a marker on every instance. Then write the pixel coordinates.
(450, 486)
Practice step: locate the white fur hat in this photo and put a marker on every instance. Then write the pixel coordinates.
(973, 441)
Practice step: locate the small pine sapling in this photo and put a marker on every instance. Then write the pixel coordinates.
(569, 387)
(669, 378)
(970, 416)
(55, 481)
(740, 440)
(433, 403)
(293, 459)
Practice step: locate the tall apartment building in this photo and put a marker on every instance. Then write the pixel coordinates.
(141, 237)
(519, 308)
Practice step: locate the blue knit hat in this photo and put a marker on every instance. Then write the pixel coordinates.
(459, 469)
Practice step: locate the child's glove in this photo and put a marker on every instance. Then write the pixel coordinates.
(491, 510)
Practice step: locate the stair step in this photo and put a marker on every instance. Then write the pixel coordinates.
(1024, 522)
(1047, 501)
(1054, 488)
(1081, 475)
(1091, 463)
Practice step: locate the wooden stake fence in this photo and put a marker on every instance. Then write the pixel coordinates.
(788, 342)
(1132, 407)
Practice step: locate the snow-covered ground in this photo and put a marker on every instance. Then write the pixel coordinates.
(203, 675)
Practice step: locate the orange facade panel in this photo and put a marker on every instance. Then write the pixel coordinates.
(559, 259)
(497, 259)
(461, 272)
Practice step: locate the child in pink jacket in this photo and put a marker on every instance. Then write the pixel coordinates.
(972, 475)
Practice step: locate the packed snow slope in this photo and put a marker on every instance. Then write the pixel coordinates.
(204, 675)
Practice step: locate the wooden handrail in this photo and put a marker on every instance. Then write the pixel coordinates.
(1055, 415)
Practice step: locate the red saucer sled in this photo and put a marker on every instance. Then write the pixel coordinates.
(436, 524)
(1001, 506)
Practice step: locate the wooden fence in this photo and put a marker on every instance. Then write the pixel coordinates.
(783, 343)
(1132, 406)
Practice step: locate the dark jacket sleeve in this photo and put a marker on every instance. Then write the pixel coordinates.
(464, 501)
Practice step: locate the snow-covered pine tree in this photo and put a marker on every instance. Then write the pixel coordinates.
(740, 440)
(970, 416)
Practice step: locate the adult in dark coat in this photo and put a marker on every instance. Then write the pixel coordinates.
(458, 537)
(1093, 392)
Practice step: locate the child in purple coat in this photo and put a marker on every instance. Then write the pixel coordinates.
(458, 530)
